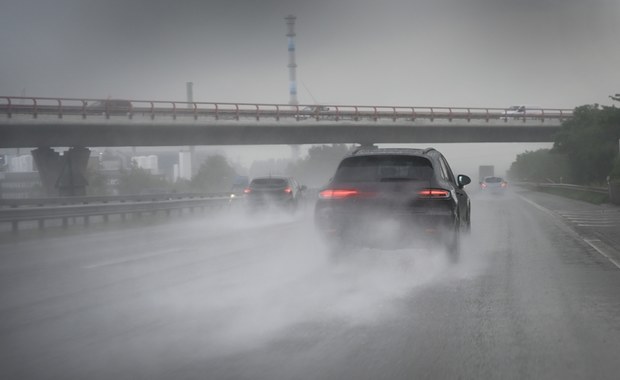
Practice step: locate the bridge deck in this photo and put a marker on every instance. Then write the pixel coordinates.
(71, 122)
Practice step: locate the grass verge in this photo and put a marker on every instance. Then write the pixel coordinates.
(586, 196)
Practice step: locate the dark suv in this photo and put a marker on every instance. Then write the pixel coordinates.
(273, 192)
(393, 198)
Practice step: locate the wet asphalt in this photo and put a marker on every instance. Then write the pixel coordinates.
(535, 295)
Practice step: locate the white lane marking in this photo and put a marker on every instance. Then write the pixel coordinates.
(591, 243)
(591, 216)
(601, 211)
(596, 221)
(610, 222)
(133, 258)
(588, 218)
(596, 225)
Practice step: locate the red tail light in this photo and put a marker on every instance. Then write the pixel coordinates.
(483, 185)
(288, 190)
(247, 190)
(434, 193)
(503, 185)
(338, 193)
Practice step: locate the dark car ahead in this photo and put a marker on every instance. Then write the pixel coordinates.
(273, 192)
(393, 198)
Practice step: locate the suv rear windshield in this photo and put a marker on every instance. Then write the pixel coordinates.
(384, 168)
(268, 182)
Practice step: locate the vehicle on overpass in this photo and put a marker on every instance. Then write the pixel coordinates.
(524, 111)
(279, 193)
(314, 112)
(110, 107)
(393, 198)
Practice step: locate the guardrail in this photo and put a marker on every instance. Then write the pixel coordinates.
(115, 108)
(44, 209)
(21, 202)
(587, 189)
(591, 194)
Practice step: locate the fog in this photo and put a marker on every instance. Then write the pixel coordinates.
(552, 53)
(233, 294)
(212, 286)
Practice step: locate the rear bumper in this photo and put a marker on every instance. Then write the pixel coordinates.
(494, 190)
(390, 231)
(268, 202)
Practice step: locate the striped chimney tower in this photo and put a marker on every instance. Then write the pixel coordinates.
(292, 66)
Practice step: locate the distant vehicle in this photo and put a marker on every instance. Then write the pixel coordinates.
(282, 193)
(493, 185)
(393, 198)
(309, 112)
(485, 171)
(524, 111)
(237, 189)
(110, 107)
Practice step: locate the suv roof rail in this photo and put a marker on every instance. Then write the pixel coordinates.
(369, 149)
(364, 148)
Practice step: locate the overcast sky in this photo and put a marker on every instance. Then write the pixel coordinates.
(495, 53)
(553, 53)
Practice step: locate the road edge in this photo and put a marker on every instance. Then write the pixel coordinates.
(604, 249)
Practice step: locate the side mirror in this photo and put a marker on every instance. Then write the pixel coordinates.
(462, 180)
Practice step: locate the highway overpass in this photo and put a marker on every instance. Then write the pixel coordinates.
(45, 123)
(56, 122)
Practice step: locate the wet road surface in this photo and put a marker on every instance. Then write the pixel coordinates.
(234, 298)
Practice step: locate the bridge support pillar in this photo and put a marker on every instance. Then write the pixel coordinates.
(62, 175)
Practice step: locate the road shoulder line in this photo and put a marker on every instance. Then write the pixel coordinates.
(598, 245)
(602, 248)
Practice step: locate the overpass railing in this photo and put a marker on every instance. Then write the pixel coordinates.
(43, 209)
(34, 107)
(565, 186)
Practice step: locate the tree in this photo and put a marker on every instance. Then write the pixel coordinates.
(97, 181)
(138, 181)
(590, 139)
(319, 165)
(540, 166)
(215, 175)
